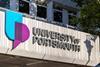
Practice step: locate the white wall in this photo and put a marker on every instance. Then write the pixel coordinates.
(27, 49)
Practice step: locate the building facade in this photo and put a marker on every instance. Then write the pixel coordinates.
(38, 34)
(54, 11)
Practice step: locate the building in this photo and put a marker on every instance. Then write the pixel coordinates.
(54, 11)
(37, 33)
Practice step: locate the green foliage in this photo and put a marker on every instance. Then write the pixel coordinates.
(74, 21)
(90, 16)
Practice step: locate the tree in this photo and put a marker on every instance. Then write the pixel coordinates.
(90, 16)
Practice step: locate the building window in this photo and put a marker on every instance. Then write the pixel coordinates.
(24, 6)
(41, 9)
(73, 20)
(57, 13)
(57, 16)
(5, 3)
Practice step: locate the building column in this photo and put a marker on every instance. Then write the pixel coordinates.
(14, 5)
(50, 11)
(33, 8)
(65, 17)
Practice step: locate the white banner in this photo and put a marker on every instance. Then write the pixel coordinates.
(49, 42)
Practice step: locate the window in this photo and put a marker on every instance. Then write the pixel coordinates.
(23, 6)
(41, 8)
(72, 20)
(57, 16)
(57, 12)
(5, 3)
(41, 11)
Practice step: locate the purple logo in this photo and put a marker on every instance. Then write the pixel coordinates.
(14, 28)
(21, 34)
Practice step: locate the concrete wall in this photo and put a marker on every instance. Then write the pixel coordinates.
(89, 46)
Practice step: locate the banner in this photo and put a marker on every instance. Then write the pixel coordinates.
(32, 38)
